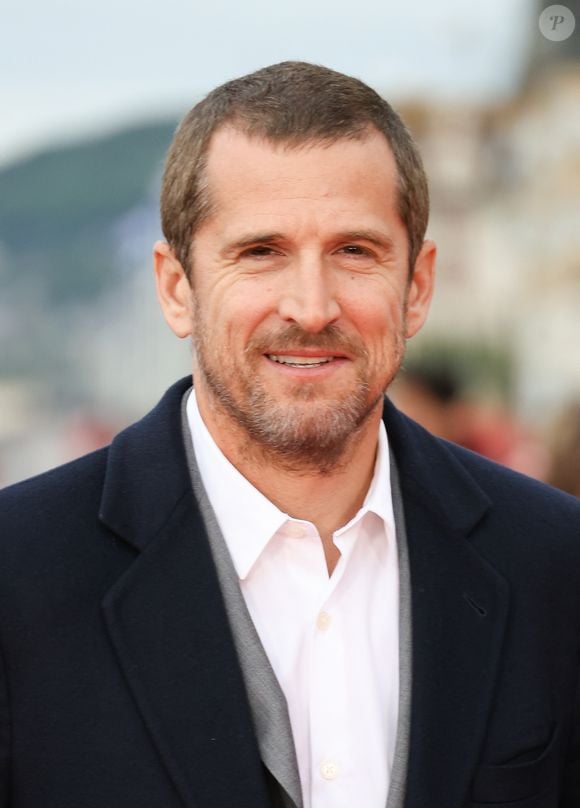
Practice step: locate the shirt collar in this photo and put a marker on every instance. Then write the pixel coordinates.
(247, 519)
(379, 496)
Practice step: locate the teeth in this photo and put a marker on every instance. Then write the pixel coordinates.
(300, 361)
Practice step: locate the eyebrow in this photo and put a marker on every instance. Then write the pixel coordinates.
(374, 236)
(250, 239)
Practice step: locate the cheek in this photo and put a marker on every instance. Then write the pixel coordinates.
(378, 317)
(237, 314)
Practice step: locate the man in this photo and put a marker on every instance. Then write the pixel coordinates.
(275, 589)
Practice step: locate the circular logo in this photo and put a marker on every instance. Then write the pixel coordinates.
(557, 23)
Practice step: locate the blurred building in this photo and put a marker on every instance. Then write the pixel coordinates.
(505, 185)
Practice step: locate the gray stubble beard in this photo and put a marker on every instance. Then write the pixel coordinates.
(319, 443)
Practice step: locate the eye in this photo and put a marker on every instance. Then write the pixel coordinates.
(260, 251)
(355, 250)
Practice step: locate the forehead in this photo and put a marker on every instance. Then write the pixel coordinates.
(245, 171)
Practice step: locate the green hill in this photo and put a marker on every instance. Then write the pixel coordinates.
(58, 209)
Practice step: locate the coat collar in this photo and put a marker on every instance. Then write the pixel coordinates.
(168, 624)
(431, 473)
(147, 475)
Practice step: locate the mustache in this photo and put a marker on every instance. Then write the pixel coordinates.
(330, 339)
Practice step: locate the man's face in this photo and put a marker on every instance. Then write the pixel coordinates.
(301, 295)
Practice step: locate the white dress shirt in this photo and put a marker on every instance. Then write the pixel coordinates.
(333, 642)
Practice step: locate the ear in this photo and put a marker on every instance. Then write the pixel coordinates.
(173, 290)
(420, 288)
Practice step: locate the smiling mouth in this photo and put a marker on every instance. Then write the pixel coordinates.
(302, 361)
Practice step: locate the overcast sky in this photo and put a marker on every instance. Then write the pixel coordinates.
(68, 67)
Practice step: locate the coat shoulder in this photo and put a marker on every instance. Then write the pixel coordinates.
(496, 506)
(47, 509)
(531, 498)
(73, 479)
(531, 530)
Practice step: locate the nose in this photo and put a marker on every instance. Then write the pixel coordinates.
(309, 298)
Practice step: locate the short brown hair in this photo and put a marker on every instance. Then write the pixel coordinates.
(292, 103)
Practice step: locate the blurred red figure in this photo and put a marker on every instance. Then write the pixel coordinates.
(433, 397)
(564, 441)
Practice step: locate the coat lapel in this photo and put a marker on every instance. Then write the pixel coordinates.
(167, 621)
(459, 609)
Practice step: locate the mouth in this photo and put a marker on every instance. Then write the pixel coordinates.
(304, 361)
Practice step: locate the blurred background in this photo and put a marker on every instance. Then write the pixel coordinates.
(90, 96)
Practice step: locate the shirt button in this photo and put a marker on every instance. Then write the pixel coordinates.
(323, 621)
(295, 529)
(329, 769)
